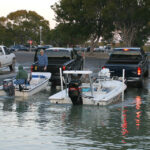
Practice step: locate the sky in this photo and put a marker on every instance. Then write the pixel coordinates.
(42, 7)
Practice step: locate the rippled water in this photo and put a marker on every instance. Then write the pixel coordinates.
(35, 123)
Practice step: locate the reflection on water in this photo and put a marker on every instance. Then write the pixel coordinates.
(125, 117)
(124, 124)
(138, 112)
(36, 124)
(89, 116)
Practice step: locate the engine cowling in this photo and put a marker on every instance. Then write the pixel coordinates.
(75, 92)
(8, 87)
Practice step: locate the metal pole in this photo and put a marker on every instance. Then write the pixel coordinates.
(30, 47)
(123, 81)
(40, 35)
(91, 86)
(61, 80)
(84, 60)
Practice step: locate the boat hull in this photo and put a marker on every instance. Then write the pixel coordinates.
(27, 93)
(38, 83)
(86, 101)
(33, 91)
(102, 98)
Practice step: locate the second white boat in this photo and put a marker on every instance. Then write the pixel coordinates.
(102, 91)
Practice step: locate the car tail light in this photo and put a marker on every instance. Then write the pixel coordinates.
(31, 68)
(64, 68)
(139, 71)
(126, 49)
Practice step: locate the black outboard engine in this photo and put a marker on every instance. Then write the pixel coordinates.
(8, 87)
(75, 92)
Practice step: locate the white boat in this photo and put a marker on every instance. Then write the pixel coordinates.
(39, 81)
(102, 91)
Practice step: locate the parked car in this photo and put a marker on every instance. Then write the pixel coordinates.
(31, 47)
(18, 48)
(99, 49)
(7, 59)
(12, 48)
(81, 49)
(48, 46)
(45, 46)
(38, 48)
(133, 60)
(64, 58)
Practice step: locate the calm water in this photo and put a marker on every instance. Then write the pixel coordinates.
(36, 124)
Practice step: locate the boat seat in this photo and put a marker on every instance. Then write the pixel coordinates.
(86, 89)
(38, 76)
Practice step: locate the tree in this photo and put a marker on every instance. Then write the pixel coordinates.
(25, 25)
(5, 32)
(131, 18)
(67, 35)
(90, 16)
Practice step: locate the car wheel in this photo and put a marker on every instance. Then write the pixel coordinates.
(12, 66)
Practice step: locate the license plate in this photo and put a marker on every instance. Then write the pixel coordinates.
(35, 67)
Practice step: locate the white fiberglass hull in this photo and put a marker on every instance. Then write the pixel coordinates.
(32, 91)
(37, 85)
(101, 97)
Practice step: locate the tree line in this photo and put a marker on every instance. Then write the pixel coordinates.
(79, 21)
(91, 20)
(21, 26)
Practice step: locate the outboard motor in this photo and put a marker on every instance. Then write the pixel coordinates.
(8, 87)
(75, 92)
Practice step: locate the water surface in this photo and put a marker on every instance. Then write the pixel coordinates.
(35, 123)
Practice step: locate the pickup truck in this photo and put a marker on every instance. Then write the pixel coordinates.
(65, 58)
(133, 60)
(7, 59)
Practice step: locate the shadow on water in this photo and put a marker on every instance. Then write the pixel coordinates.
(22, 107)
(8, 104)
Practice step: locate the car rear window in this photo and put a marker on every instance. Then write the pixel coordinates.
(127, 49)
(125, 57)
(58, 53)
